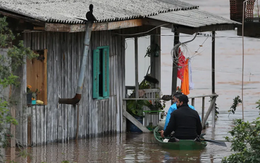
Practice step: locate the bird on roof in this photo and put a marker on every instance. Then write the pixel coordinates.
(89, 14)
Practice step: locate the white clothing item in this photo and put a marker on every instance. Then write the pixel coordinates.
(165, 140)
(191, 85)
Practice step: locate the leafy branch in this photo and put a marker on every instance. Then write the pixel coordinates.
(10, 63)
(236, 101)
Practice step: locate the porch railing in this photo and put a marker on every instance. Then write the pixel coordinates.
(150, 95)
(211, 109)
(154, 118)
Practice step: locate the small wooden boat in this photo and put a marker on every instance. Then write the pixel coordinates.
(181, 144)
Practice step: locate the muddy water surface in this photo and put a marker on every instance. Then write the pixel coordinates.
(131, 147)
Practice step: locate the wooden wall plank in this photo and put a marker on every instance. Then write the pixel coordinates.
(44, 125)
(34, 127)
(45, 77)
(29, 127)
(67, 86)
(60, 84)
(122, 52)
(48, 86)
(56, 72)
(62, 71)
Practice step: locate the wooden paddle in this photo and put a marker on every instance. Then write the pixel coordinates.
(221, 143)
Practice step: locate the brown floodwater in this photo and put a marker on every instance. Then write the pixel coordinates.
(130, 147)
(136, 147)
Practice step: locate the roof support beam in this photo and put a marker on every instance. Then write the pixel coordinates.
(218, 27)
(117, 25)
(175, 64)
(55, 27)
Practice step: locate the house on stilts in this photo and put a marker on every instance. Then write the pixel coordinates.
(56, 31)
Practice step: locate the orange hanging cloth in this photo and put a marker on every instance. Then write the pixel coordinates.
(185, 82)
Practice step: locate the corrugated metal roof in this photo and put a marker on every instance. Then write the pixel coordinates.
(194, 18)
(68, 11)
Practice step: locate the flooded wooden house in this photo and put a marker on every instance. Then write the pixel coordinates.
(56, 31)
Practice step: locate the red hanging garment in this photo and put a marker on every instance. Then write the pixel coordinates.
(181, 64)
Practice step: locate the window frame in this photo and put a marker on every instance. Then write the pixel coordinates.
(36, 75)
(100, 72)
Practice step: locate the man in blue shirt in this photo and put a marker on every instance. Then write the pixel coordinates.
(173, 107)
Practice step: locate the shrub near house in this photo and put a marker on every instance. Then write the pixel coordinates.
(245, 141)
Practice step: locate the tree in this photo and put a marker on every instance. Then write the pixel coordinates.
(10, 62)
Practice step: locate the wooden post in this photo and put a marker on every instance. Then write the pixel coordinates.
(213, 62)
(77, 132)
(156, 61)
(123, 125)
(211, 107)
(213, 76)
(136, 68)
(175, 67)
(12, 144)
(213, 116)
(203, 109)
(29, 132)
(13, 128)
(193, 102)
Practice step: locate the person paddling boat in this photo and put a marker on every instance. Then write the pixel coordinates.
(185, 122)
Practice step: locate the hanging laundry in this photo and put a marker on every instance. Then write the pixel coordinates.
(185, 82)
(191, 85)
(181, 64)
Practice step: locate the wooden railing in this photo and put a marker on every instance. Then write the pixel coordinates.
(152, 94)
(149, 94)
(211, 109)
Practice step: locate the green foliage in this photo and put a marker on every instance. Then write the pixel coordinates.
(135, 107)
(6, 35)
(144, 85)
(9, 80)
(216, 111)
(24, 154)
(10, 63)
(17, 53)
(157, 105)
(65, 161)
(258, 104)
(153, 50)
(245, 139)
(6, 138)
(236, 101)
(5, 116)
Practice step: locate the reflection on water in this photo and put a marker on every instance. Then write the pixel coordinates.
(131, 147)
